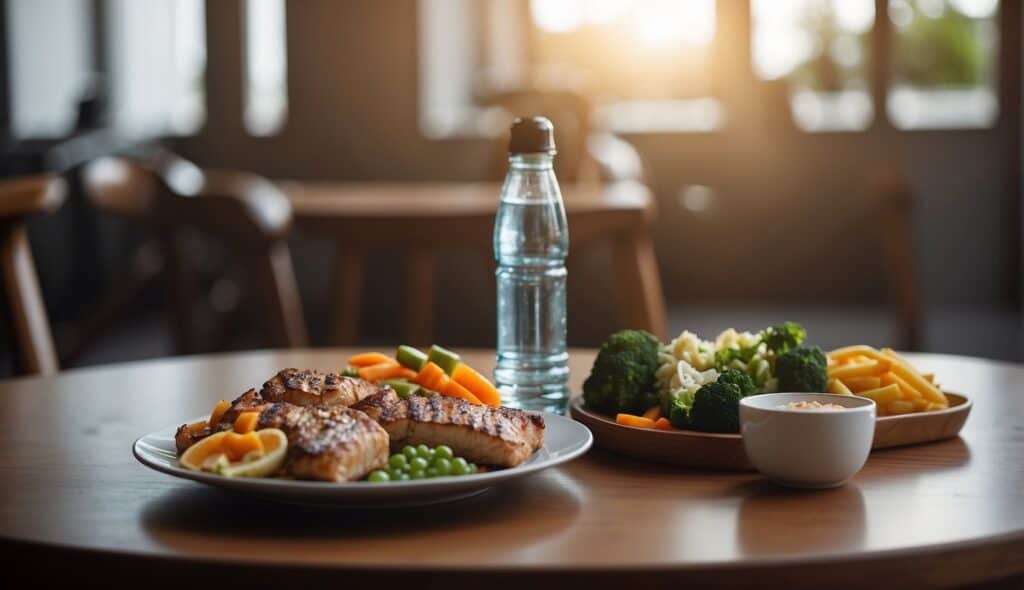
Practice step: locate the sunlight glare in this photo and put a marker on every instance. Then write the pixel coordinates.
(557, 16)
(659, 22)
(976, 8)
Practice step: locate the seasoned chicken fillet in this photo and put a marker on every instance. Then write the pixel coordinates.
(502, 437)
(307, 387)
(328, 443)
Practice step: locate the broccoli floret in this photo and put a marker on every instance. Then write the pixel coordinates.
(802, 369)
(739, 380)
(784, 336)
(724, 357)
(679, 411)
(716, 406)
(622, 379)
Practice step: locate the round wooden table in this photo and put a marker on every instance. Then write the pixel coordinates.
(74, 504)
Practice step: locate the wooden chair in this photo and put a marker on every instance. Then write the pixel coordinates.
(20, 198)
(894, 202)
(247, 212)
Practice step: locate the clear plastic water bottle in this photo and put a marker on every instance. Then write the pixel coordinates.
(531, 241)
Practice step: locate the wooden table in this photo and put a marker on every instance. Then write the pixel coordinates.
(74, 503)
(425, 218)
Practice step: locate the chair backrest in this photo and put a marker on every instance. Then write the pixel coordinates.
(245, 211)
(26, 311)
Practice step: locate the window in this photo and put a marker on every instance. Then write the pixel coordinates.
(158, 61)
(644, 64)
(944, 63)
(266, 66)
(48, 59)
(822, 49)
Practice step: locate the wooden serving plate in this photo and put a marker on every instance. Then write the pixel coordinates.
(724, 452)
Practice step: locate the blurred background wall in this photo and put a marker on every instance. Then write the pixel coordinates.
(770, 132)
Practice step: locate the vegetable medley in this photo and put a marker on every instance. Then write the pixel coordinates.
(696, 384)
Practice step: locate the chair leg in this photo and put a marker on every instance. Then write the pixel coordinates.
(146, 266)
(419, 278)
(639, 284)
(347, 295)
(36, 353)
(182, 288)
(274, 279)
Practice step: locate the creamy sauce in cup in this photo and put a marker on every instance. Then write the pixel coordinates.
(810, 405)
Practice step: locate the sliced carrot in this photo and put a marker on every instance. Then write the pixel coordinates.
(432, 377)
(236, 446)
(477, 384)
(370, 358)
(246, 422)
(383, 371)
(218, 412)
(662, 424)
(453, 389)
(632, 420)
(654, 413)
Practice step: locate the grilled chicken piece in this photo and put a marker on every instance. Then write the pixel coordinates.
(306, 387)
(502, 437)
(250, 401)
(328, 443)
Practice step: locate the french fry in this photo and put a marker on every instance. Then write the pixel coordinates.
(858, 350)
(929, 391)
(869, 368)
(929, 377)
(838, 387)
(906, 388)
(932, 406)
(900, 407)
(883, 395)
(859, 384)
(920, 404)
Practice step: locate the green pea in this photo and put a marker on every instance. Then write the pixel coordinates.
(472, 467)
(379, 476)
(404, 477)
(417, 473)
(409, 452)
(444, 452)
(443, 466)
(460, 466)
(432, 472)
(419, 463)
(395, 474)
(424, 451)
(398, 461)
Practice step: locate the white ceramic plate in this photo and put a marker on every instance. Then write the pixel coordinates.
(564, 440)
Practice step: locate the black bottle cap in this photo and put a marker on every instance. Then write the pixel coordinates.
(532, 135)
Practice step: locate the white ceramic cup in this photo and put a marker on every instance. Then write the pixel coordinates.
(808, 448)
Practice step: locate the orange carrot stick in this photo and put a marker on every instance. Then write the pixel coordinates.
(662, 424)
(385, 371)
(654, 413)
(432, 377)
(370, 358)
(453, 389)
(477, 384)
(632, 420)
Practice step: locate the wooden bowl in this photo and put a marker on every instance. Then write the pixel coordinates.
(724, 452)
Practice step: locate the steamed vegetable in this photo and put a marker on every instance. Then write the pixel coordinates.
(388, 370)
(477, 384)
(421, 462)
(716, 405)
(782, 337)
(802, 369)
(369, 358)
(410, 357)
(623, 376)
(443, 358)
